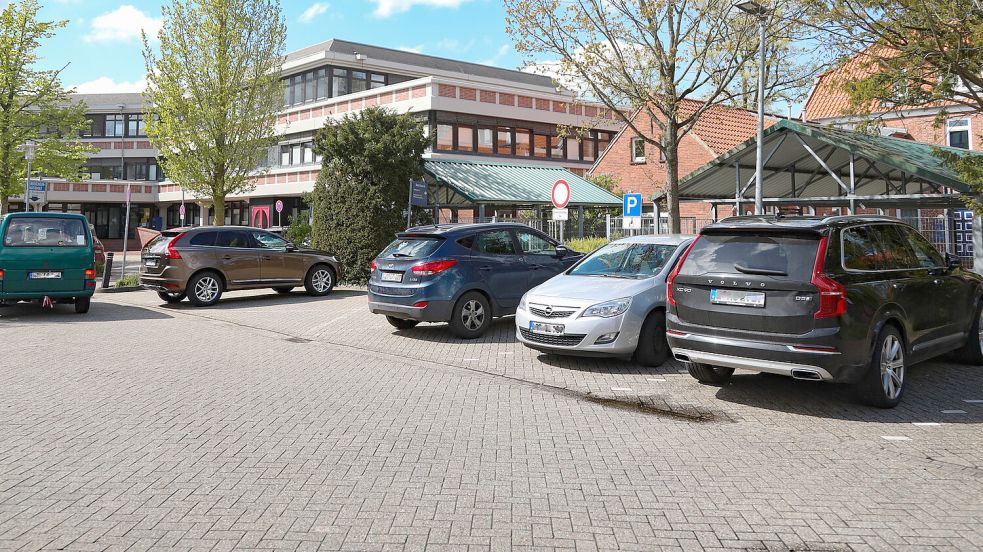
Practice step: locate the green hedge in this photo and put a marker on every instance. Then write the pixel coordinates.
(585, 245)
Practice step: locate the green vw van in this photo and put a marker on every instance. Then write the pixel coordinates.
(47, 255)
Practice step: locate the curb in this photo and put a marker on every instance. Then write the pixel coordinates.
(119, 289)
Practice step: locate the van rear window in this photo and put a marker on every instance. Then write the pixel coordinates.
(45, 232)
(791, 257)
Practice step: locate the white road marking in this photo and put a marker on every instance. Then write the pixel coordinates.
(925, 424)
(621, 389)
(895, 438)
(953, 411)
(471, 360)
(973, 401)
(505, 353)
(656, 379)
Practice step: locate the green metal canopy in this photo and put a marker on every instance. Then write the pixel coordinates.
(819, 164)
(469, 183)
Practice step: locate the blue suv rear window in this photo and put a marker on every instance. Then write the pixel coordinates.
(411, 248)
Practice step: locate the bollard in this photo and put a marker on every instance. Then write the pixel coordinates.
(107, 270)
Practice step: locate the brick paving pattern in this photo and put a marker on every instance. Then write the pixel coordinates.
(293, 423)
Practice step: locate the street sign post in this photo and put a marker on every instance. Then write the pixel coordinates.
(36, 193)
(419, 197)
(126, 232)
(561, 214)
(181, 212)
(631, 211)
(561, 194)
(279, 209)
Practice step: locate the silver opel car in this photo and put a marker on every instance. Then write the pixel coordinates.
(611, 303)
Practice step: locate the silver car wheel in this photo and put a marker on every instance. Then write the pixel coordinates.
(206, 289)
(321, 280)
(980, 326)
(473, 315)
(892, 367)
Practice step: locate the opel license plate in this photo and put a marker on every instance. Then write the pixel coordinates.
(44, 275)
(546, 328)
(737, 298)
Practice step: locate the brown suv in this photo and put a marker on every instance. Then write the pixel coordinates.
(201, 263)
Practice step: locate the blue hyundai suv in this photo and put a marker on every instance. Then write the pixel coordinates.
(464, 274)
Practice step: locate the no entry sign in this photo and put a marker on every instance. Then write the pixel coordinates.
(561, 194)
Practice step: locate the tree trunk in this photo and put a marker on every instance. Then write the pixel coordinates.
(218, 210)
(671, 142)
(4, 205)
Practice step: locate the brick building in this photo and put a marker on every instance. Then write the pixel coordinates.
(639, 167)
(471, 112)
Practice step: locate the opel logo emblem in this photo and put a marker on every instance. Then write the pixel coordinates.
(549, 309)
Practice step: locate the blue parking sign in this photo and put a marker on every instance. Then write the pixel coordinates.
(632, 205)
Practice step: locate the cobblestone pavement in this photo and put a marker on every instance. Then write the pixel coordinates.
(293, 423)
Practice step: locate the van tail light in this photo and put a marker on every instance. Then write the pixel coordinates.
(832, 294)
(1, 274)
(433, 267)
(171, 252)
(90, 274)
(675, 272)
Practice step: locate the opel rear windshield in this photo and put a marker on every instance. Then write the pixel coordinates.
(783, 256)
(45, 232)
(411, 247)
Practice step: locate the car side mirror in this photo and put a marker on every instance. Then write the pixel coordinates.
(952, 261)
(561, 251)
(291, 247)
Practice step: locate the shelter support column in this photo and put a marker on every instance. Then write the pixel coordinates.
(658, 218)
(580, 222)
(977, 243)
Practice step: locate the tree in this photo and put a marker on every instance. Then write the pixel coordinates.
(33, 104)
(214, 91)
(653, 56)
(360, 197)
(908, 54)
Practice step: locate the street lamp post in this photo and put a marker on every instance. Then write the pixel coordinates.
(761, 12)
(30, 149)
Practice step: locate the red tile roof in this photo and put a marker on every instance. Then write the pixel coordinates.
(828, 98)
(722, 128)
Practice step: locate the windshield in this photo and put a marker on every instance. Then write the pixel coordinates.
(783, 256)
(45, 232)
(411, 248)
(626, 260)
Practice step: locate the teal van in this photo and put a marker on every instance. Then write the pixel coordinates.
(47, 255)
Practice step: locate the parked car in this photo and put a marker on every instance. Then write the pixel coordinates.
(611, 303)
(854, 299)
(47, 255)
(97, 247)
(201, 263)
(464, 274)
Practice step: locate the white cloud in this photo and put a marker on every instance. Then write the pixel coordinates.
(122, 25)
(315, 9)
(498, 55)
(108, 85)
(385, 8)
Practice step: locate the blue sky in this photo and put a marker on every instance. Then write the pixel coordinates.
(101, 43)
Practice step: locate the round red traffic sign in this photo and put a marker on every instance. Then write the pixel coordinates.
(561, 194)
(181, 210)
(279, 206)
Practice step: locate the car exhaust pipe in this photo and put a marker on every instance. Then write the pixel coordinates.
(809, 375)
(681, 357)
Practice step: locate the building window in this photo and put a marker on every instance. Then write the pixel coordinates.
(637, 150)
(486, 140)
(284, 156)
(589, 148)
(958, 133)
(556, 147)
(378, 81)
(603, 140)
(134, 125)
(573, 149)
(445, 137)
(114, 125)
(310, 87)
(360, 81)
(339, 82)
(540, 145)
(504, 142)
(308, 148)
(522, 142)
(298, 84)
(465, 138)
(322, 83)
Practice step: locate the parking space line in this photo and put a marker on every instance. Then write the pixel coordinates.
(895, 438)
(471, 359)
(954, 411)
(973, 401)
(656, 379)
(621, 389)
(925, 424)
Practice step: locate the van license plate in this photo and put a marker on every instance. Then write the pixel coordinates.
(44, 275)
(737, 298)
(392, 276)
(546, 328)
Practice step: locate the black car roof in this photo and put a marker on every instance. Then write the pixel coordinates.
(459, 228)
(809, 224)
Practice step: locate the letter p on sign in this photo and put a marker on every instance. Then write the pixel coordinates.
(632, 205)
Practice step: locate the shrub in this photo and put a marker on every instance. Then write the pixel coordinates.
(585, 245)
(130, 280)
(298, 231)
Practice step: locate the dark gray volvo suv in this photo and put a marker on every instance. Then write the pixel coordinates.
(854, 299)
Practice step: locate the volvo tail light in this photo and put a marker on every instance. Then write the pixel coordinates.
(171, 252)
(832, 294)
(675, 272)
(432, 267)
